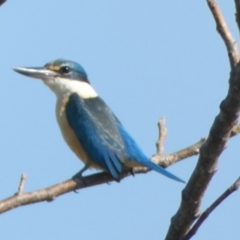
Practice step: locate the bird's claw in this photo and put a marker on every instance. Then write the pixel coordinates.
(132, 172)
(79, 179)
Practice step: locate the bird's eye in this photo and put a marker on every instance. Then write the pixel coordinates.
(65, 70)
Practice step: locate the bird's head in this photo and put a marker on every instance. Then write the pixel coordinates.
(62, 76)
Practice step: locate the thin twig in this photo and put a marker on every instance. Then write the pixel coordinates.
(225, 33)
(22, 183)
(162, 136)
(167, 160)
(210, 209)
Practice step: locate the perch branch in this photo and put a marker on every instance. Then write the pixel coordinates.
(167, 160)
(50, 193)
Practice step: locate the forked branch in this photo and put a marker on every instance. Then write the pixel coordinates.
(234, 187)
(219, 134)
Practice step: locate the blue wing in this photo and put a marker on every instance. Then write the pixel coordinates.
(94, 125)
(104, 138)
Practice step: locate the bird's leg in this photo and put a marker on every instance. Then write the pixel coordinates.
(132, 172)
(78, 175)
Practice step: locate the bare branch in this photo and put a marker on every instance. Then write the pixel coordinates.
(225, 33)
(167, 160)
(22, 183)
(162, 136)
(210, 209)
(50, 193)
(219, 134)
(2, 2)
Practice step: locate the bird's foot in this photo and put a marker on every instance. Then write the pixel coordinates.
(79, 179)
(132, 172)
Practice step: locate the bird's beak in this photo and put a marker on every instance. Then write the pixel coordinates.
(34, 72)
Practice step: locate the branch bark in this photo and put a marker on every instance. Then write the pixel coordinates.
(234, 187)
(22, 183)
(219, 134)
(162, 136)
(2, 2)
(193, 193)
(223, 30)
(52, 192)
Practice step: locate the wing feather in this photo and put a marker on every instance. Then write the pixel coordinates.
(104, 138)
(94, 124)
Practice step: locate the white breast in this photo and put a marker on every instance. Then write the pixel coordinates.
(64, 87)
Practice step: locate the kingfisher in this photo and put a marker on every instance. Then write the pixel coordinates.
(88, 125)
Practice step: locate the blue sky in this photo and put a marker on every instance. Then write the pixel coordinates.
(146, 59)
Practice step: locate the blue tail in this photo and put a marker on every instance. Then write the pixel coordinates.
(136, 154)
(161, 170)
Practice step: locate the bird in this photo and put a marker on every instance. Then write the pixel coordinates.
(88, 125)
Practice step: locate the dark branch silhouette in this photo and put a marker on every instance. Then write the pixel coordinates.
(219, 134)
(2, 2)
(210, 209)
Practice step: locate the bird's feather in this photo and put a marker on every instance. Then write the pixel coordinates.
(94, 126)
(135, 155)
(104, 138)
